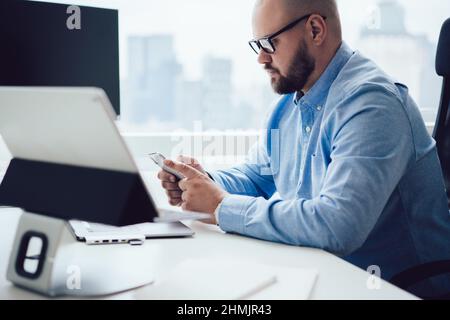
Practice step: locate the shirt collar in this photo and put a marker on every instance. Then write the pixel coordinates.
(317, 95)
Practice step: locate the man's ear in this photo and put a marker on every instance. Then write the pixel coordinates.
(318, 29)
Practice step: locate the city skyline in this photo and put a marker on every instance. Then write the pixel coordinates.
(197, 36)
(158, 91)
(198, 31)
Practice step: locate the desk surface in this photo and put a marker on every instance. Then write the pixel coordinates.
(337, 279)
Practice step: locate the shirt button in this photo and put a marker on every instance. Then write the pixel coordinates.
(308, 129)
(319, 108)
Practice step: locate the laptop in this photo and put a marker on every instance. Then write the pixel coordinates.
(96, 233)
(75, 127)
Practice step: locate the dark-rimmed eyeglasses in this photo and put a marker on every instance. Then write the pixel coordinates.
(266, 43)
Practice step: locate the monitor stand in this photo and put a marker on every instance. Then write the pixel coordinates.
(47, 259)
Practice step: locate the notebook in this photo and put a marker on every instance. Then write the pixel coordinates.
(206, 279)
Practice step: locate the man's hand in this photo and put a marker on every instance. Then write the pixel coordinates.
(199, 192)
(170, 184)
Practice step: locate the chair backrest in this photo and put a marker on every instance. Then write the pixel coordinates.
(442, 128)
(416, 274)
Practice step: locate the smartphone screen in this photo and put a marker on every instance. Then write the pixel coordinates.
(159, 160)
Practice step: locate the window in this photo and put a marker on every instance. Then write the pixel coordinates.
(186, 64)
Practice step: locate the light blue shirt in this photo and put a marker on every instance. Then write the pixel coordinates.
(349, 168)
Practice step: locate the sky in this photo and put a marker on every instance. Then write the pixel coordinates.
(222, 28)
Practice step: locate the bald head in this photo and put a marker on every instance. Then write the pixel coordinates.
(296, 8)
(328, 7)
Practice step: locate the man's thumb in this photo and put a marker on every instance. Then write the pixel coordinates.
(185, 170)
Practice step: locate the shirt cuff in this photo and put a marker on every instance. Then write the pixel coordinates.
(216, 212)
(231, 213)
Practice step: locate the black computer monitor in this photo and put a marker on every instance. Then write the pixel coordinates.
(45, 44)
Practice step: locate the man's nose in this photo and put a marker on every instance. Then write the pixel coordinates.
(264, 57)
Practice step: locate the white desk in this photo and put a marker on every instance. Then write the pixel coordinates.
(337, 279)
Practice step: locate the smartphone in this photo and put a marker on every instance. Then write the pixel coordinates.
(158, 159)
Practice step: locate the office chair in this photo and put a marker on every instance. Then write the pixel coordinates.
(441, 134)
(441, 130)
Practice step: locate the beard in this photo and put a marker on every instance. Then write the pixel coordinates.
(299, 72)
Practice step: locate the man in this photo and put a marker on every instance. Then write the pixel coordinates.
(347, 164)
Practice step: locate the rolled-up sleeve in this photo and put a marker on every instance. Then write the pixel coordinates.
(371, 147)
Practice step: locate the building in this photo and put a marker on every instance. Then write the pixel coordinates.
(153, 72)
(217, 102)
(407, 57)
(189, 100)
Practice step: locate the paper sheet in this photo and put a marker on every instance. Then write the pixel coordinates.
(203, 279)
